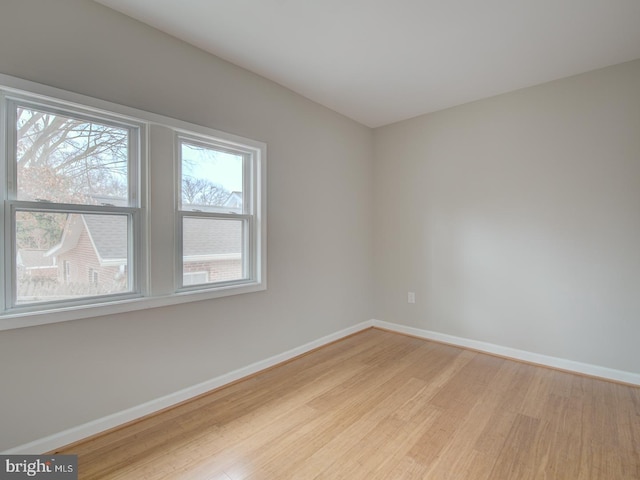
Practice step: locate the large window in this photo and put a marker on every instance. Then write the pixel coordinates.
(85, 228)
(71, 201)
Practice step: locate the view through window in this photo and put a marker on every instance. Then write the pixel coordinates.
(110, 209)
(214, 224)
(71, 175)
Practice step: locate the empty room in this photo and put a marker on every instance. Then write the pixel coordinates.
(276, 239)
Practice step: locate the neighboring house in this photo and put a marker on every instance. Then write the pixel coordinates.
(212, 250)
(234, 201)
(91, 257)
(93, 251)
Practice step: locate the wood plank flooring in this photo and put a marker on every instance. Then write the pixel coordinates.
(380, 405)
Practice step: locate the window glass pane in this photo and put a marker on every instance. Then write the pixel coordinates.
(211, 179)
(68, 160)
(62, 256)
(212, 250)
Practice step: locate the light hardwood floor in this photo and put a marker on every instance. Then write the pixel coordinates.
(380, 405)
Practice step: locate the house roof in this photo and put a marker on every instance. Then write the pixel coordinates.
(203, 237)
(108, 234)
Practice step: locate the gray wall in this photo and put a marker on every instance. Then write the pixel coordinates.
(320, 182)
(516, 219)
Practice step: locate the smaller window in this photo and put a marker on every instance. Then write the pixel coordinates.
(218, 220)
(67, 271)
(93, 277)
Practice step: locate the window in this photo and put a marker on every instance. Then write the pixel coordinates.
(216, 215)
(78, 237)
(71, 196)
(67, 271)
(195, 278)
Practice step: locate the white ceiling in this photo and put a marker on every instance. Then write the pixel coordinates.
(381, 61)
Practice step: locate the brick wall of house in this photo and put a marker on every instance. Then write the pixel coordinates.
(218, 271)
(42, 272)
(83, 261)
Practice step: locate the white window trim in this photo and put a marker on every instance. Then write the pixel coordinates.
(248, 215)
(154, 290)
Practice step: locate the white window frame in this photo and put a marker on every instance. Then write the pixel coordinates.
(156, 246)
(12, 205)
(248, 216)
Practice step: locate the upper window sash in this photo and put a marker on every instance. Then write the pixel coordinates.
(234, 179)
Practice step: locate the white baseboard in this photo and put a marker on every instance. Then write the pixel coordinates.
(88, 429)
(530, 357)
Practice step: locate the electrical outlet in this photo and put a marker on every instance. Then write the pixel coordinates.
(411, 297)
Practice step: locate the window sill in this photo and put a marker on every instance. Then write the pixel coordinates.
(9, 321)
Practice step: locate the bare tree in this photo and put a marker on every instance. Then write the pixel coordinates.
(65, 160)
(199, 191)
(69, 160)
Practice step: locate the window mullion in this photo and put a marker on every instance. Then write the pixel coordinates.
(8, 257)
(5, 158)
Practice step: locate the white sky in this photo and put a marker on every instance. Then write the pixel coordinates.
(219, 167)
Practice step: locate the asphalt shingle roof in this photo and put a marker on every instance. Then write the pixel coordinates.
(109, 235)
(202, 236)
